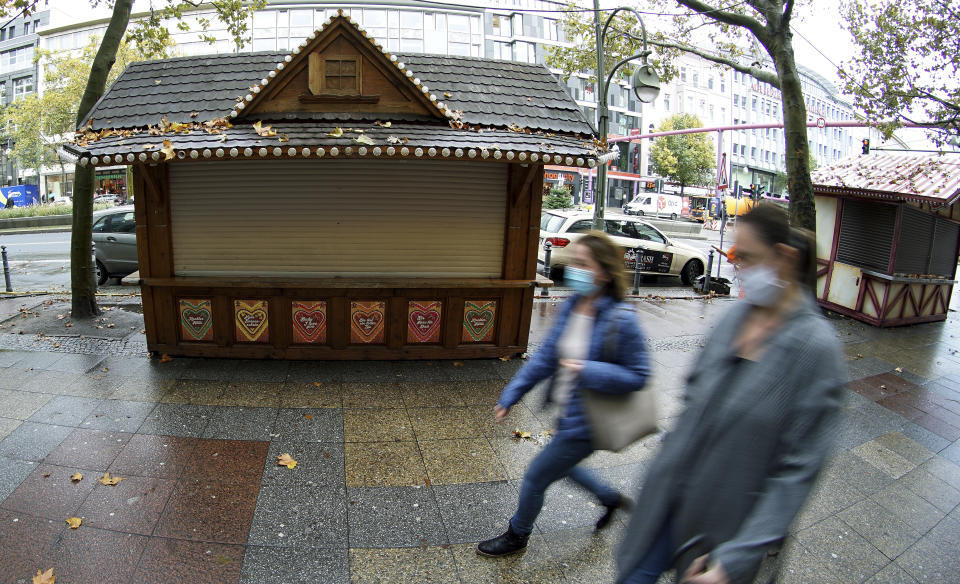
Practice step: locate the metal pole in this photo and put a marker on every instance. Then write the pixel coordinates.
(636, 271)
(719, 259)
(600, 194)
(706, 277)
(6, 268)
(547, 250)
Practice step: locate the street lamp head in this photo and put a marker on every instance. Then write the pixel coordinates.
(646, 83)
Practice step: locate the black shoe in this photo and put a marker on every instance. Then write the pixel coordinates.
(510, 542)
(622, 503)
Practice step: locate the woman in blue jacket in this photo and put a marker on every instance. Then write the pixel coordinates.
(575, 356)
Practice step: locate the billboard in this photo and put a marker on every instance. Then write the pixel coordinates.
(19, 196)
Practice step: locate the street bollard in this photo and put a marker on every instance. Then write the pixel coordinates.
(6, 269)
(93, 252)
(636, 271)
(547, 250)
(706, 278)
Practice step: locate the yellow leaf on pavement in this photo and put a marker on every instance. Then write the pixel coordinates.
(110, 481)
(285, 460)
(318, 383)
(45, 577)
(521, 435)
(74, 522)
(336, 133)
(77, 478)
(167, 150)
(457, 364)
(165, 358)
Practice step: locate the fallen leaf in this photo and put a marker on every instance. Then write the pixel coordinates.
(110, 481)
(223, 560)
(263, 131)
(364, 139)
(426, 480)
(61, 316)
(318, 383)
(285, 460)
(194, 114)
(76, 478)
(68, 325)
(899, 369)
(46, 476)
(517, 434)
(167, 150)
(74, 522)
(283, 138)
(505, 358)
(111, 325)
(157, 82)
(457, 364)
(447, 94)
(336, 133)
(394, 140)
(45, 577)
(383, 124)
(165, 358)
(308, 416)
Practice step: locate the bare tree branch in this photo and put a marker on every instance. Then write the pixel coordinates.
(787, 12)
(731, 18)
(755, 72)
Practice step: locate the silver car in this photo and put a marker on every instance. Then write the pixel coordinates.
(115, 241)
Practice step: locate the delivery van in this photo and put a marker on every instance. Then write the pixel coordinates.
(654, 204)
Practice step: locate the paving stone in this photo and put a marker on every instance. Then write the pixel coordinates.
(477, 511)
(432, 394)
(943, 469)
(851, 557)
(884, 458)
(209, 510)
(48, 492)
(12, 473)
(31, 441)
(911, 508)
(445, 423)
(177, 420)
(312, 515)
(952, 452)
(305, 394)
(133, 505)
(310, 371)
(295, 565)
(368, 371)
(887, 532)
(856, 428)
(15, 377)
(566, 505)
(537, 565)
(403, 565)
(371, 395)
(931, 488)
(376, 425)
(234, 423)
(801, 566)
(171, 560)
(20, 405)
(829, 495)
(10, 358)
(23, 540)
(515, 455)
(201, 392)
(466, 460)
(73, 363)
(65, 411)
(121, 366)
(117, 415)
(394, 517)
(892, 574)
(89, 449)
(309, 425)
(318, 463)
(384, 464)
(211, 369)
(49, 381)
(251, 394)
(928, 560)
(237, 461)
(929, 440)
(586, 555)
(39, 361)
(858, 473)
(259, 370)
(7, 425)
(154, 456)
(95, 555)
(97, 386)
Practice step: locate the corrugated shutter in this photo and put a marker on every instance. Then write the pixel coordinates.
(944, 261)
(913, 249)
(866, 234)
(338, 218)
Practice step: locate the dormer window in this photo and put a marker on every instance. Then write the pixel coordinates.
(334, 75)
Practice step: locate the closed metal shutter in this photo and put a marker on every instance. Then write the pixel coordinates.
(913, 248)
(866, 234)
(338, 218)
(944, 261)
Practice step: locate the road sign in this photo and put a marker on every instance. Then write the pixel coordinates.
(635, 131)
(821, 123)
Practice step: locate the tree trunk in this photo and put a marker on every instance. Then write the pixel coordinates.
(82, 273)
(802, 211)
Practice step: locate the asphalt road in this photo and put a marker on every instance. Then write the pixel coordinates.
(41, 262)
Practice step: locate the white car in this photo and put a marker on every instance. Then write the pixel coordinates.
(659, 255)
(652, 204)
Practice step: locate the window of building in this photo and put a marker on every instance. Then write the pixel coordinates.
(766, 156)
(3, 34)
(723, 114)
(703, 108)
(22, 87)
(683, 74)
(551, 30)
(690, 104)
(712, 116)
(501, 25)
(503, 51)
(753, 152)
(524, 52)
(754, 103)
(666, 101)
(736, 121)
(340, 75)
(696, 79)
(723, 84)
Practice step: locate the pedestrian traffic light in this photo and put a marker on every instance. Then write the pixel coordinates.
(866, 145)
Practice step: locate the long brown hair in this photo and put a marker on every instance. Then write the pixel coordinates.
(610, 257)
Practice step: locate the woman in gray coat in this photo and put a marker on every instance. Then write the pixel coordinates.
(761, 402)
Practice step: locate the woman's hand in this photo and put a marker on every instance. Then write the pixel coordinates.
(500, 413)
(572, 365)
(700, 572)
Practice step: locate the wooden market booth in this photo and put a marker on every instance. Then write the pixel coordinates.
(888, 236)
(337, 202)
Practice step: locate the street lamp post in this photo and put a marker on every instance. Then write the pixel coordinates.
(646, 86)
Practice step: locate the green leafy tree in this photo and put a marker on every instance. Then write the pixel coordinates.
(753, 37)
(908, 63)
(152, 35)
(688, 159)
(558, 198)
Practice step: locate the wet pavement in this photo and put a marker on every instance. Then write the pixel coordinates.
(400, 468)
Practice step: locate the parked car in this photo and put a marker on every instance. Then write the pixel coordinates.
(109, 199)
(115, 241)
(659, 255)
(654, 204)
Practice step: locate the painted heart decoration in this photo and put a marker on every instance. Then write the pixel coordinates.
(309, 323)
(367, 321)
(252, 321)
(197, 321)
(424, 323)
(478, 323)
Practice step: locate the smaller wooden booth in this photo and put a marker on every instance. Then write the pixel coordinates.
(339, 201)
(888, 236)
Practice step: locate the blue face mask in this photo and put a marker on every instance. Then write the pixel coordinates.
(580, 280)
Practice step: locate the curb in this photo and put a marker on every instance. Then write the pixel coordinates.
(27, 230)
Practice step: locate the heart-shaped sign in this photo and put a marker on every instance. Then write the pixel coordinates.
(251, 319)
(423, 323)
(309, 322)
(367, 322)
(478, 321)
(196, 319)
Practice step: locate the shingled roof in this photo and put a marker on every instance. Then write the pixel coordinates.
(193, 107)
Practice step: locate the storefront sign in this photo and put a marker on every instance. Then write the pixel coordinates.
(650, 261)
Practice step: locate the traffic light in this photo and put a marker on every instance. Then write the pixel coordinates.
(761, 188)
(748, 191)
(866, 145)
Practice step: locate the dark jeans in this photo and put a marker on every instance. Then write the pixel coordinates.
(657, 559)
(557, 460)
